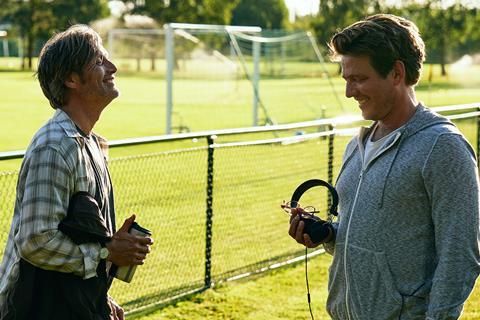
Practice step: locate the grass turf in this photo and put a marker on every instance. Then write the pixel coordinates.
(139, 112)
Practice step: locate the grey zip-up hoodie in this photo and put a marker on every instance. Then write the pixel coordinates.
(407, 239)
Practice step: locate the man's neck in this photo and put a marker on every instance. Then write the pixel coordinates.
(398, 117)
(85, 118)
(380, 132)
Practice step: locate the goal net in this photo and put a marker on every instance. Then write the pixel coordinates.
(215, 77)
(288, 74)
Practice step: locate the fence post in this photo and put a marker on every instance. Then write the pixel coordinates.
(209, 215)
(331, 139)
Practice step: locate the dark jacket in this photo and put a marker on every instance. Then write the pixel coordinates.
(37, 292)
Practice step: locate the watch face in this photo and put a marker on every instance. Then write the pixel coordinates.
(103, 253)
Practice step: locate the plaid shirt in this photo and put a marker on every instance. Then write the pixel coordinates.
(56, 165)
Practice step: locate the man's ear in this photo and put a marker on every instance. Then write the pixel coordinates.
(72, 81)
(398, 72)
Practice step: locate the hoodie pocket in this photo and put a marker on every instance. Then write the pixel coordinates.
(415, 305)
(371, 290)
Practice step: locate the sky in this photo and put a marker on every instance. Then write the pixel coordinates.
(301, 7)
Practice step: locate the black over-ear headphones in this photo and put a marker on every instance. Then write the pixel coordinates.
(317, 230)
(301, 189)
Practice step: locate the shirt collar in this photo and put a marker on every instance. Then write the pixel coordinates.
(67, 124)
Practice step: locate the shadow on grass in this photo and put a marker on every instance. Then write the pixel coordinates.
(192, 295)
(145, 305)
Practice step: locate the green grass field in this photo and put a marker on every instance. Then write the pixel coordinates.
(204, 105)
(277, 295)
(167, 190)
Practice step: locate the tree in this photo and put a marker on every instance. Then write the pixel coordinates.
(68, 12)
(471, 43)
(187, 11)
(268, 14)
(41, 18)
(444, 30)
(334, 15)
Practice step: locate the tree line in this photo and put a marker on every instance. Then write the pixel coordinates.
(449, 32)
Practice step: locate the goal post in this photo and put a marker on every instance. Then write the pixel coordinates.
(220, 76)
(170, 29)
(278, 52)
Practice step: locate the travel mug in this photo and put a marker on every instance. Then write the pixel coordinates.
(125, 273)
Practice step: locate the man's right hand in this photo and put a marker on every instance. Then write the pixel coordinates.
(296, 230)
(126, 249)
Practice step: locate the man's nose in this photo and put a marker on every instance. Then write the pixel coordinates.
(350, 90)
(111, 66)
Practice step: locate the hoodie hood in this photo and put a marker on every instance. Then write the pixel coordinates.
(423, 118)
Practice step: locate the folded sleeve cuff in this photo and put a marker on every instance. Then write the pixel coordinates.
(91, 253)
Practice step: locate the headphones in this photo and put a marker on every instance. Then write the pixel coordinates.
(301, 189)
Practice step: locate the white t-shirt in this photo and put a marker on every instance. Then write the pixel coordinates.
(373, 147)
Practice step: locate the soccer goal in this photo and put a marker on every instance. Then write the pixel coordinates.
(205, 82)
(220, 77)
(296, 84)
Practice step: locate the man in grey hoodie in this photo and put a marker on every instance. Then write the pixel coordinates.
(406, 244)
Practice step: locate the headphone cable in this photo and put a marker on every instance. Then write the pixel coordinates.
(308, 287)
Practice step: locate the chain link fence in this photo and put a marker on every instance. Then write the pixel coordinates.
(8, 181)
(214, 210)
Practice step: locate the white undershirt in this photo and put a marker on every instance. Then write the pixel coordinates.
(373, 147)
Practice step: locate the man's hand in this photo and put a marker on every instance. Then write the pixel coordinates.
(296, 230)
(126, 249)
(117, 311)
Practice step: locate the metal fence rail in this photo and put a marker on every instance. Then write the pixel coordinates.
(214, 210)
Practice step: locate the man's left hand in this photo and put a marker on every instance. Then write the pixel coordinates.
(117, 311)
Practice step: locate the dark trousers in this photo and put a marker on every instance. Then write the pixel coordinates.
(49, 295)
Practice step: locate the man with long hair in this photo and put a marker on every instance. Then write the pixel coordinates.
(63, 241)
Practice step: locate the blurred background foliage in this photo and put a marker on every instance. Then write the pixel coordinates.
(449, 28)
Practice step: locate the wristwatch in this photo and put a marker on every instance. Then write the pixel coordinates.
(104, 253)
